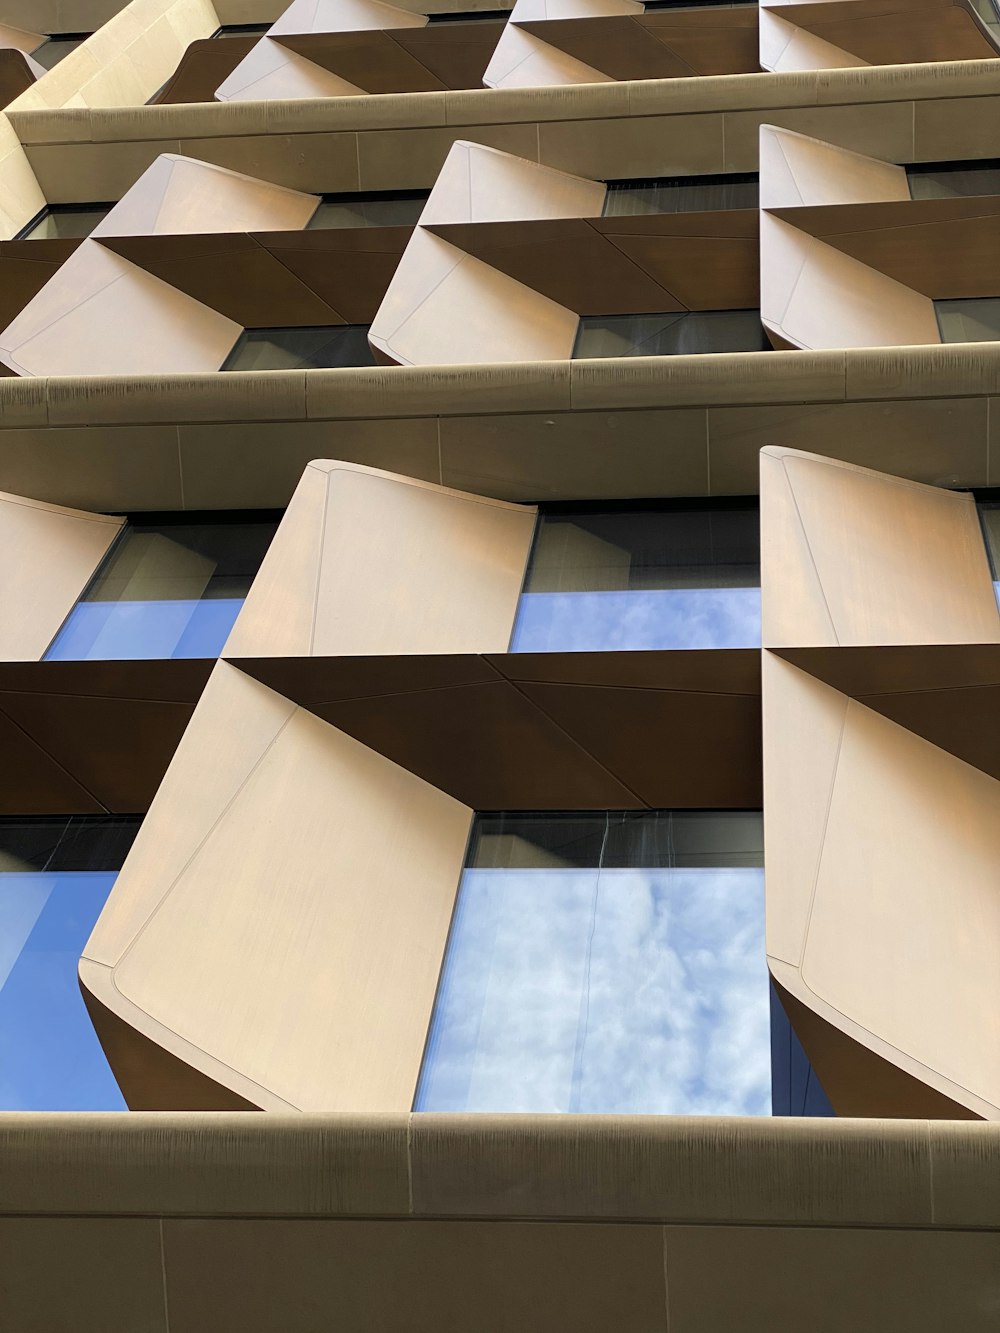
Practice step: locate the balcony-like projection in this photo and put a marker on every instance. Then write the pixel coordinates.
(606, 962)
(324, 348)
(167, 589)
(678, 575)
(55, 875)
(950, 180)
(399, 209)
(969, 320)
(676, 333)
(681, 194)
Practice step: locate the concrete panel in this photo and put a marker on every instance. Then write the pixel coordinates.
(47, 557)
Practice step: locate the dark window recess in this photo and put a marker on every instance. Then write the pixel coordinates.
(696, 4)
(795, 1089)
(946, 180)
(59, 46)
(681, 194)
(399, 209)
(972, 320)
(302, 349)
(989, 12)
(55, 843)
(64, 222)
(471, 16)
(241, 30)
(679, 333)
(989, 516)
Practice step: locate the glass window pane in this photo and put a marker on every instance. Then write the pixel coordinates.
(55, 876)
(642, 579)
(606, 962)
(681, 194)
(369, 210)
(66, 223)
(165, 590)
(58, 48)
(302, 349)
(677, 333)
(945, 180)
(969, 321)
(989, 513)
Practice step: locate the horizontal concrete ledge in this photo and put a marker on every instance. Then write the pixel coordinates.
(487, 106)
(727, 379)
(853, 1173)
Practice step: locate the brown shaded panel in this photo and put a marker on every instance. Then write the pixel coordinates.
(110, 726)
(703, 272)
(550, 730)
(940, 247)
(231, 273)
(204, 65)
(457, 54)
(16, 75)
(486, 745)
(859, 1082)
(673, 749)
(349, 268)
(661, 45)
(566, 260)
(150, 1078)
(896, 34)
(36, 784)
(949, 694)
(25, 268)
(369, 60)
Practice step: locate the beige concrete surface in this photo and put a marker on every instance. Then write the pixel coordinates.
(47, 557)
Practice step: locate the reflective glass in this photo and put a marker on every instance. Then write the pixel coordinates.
(989, 513)
(165, 590)
(681, 194)
(302, 349)
(55, 875)
(615, 965)
(58, 48)
(679, 333)
(66, 223)
(945, 180)
(972, 320)
(241, 30)
(642, 579)
(369, 210)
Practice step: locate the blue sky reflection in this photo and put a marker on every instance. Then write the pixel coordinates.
(622, 991)
(637, 619)
(50, 1058)
(172, 627)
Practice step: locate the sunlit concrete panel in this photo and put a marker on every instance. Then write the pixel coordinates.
(525, 60)
(47, 557)
(785, 48)
(883, 892)
(280, 923)
(100, 314)
(480, 184)
(181, 196)
(798, 170)
(815, 297)
(369, 562)
(852, 557)
(443, 307)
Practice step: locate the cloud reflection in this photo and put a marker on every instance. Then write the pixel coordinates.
(632, 619)
(604, 991)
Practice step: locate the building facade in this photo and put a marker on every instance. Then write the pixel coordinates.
(499, 660)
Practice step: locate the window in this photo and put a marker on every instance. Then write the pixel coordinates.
(606, 962)
(64, 221)
(681, 575)
(471, 16)
(168, 588)
(241, 30)
(944, 180)
(401, 209)
(989, 514)
(55, 875)
(58, 47)
(681, 194)
(969, 320)
(302, 349)
(678, 333)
